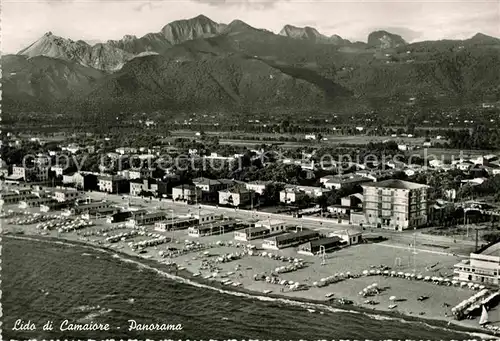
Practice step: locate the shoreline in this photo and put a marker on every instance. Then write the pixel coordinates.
(187, 277)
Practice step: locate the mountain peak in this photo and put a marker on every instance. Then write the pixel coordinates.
(385, 40)
(188, 29)
(202, 17)
(309, 33)
(129, 37)
(239, 25)
(484, 39)
(48, 34)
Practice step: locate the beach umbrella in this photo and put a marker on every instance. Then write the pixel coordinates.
(463, 284)
(365, 272)
(481, 287)
(372, 272)
(392, 298)
(348, 274)
(379, 272)
(386, 272)
(315, 284)
(360, 293)
(427, 278)
(374, 285)
(454, 282)
(393, 273)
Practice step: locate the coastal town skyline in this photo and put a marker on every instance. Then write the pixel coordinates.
(99, 21)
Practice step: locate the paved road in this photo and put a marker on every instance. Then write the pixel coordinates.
(182, 208)
(402, 239)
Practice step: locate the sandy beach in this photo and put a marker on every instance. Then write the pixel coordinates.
(354, 259)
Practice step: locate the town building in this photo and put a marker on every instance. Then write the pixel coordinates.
(235, 197)
(344, 180)
(141, 186)
(395, 204)
(482, 266)
(85, 181)
(143, 173)
(126, 150)
(258, 186)
(291, 195)
(324, 179)
(112, 184)
(34, 173)
(188, 193)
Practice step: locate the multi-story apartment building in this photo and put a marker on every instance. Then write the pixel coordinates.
(395, 204)
(37, 173)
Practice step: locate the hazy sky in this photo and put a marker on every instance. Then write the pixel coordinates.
(25, 21)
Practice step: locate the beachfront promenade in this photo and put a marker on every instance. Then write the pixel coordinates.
(425, 242)
(394, 253)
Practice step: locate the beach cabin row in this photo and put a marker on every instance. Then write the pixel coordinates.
(262, 229)
(318, 246)
(100, 212)
(123, 216)
(146, 219)
(91, 208)
(34, 202)
(53, 206)
(178, 223)
(290, 239)
(210, 229)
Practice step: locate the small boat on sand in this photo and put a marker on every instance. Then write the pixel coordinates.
(267, 291)
(329, 295)
(392, 306)
(311, 310)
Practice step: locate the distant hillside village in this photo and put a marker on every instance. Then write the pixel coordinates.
(393, 195)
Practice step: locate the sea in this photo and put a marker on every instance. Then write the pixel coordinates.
(48, 280)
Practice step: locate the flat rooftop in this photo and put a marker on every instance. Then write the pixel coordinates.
(396, 184)
(269, 222)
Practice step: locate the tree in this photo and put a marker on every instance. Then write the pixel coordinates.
(272, 191)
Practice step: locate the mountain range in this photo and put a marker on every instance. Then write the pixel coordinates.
(198, 63)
